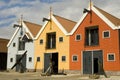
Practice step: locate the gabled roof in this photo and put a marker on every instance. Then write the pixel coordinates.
(109, 19)
(31, 30)
(113, 19)
(64, 24)
(34, 28)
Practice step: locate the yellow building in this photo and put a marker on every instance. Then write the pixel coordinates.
(52, 44)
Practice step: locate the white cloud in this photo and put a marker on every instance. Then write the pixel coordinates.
(34, 10)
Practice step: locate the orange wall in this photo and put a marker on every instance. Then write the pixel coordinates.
(108, 45)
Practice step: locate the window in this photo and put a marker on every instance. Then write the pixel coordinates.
(21, 44)
(63, 58)
(51, 40)
(106, 34)
(74, 58)
(60, 39)
(78, 37)
(14, 44)
(11, 59)
(111, 57)
(91, 36)
(41, 41)
(30, 59)
(38, 59)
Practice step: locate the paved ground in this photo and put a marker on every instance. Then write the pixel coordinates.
(37, 76)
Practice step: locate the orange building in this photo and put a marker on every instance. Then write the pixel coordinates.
(95, 43)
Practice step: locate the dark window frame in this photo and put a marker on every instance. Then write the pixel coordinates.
(38, 59)
(106, 34)
(92, 36)
(78, 37)
(30, 59)
(41, 41)
(14, 44)
(111, 57)
(74, 58)
(51, 40)
(63, 58)
(21, 45)
(60, 39)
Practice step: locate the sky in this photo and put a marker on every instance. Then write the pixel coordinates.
(35, 10)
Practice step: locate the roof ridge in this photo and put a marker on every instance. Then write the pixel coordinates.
(65, 18)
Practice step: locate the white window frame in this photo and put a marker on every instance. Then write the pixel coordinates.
(76, 37)
(73, 60)
(65, 58)
(104, 32)
(108, 56)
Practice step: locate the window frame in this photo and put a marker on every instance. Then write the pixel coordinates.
(14, 44)
(11, 60)
(62, 39)
(30, 59)
(73, 58)
(76, 37)
(89, 40)
(38, 60)
(64, 59)
(41, 42)
(106, 31)
(109, 55)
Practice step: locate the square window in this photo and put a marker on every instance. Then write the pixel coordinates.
(14, 44)
(78, 37)
(63, 58)
(41, 41)
(60, 39)
(30, 59)
(75, 58)
(106, 34)
(111, 57)
(11, 59)
(38, 59)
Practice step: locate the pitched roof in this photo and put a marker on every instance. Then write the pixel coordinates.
(66, 23)
(109, 19)
(113, 19)
(34, 28)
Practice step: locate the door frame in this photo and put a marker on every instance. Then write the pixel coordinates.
(92, 59)
(51, 54)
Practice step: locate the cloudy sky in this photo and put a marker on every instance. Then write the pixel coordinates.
(35, 10)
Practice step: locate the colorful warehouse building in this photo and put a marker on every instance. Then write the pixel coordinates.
(95, 43)
(90, 46)
(21, 47)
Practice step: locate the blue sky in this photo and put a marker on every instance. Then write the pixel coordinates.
(35, 10)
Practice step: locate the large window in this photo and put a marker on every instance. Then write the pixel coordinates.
(21, 44)
(51, 40)
(92, 36)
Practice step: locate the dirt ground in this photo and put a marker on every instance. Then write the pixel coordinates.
(37, 76)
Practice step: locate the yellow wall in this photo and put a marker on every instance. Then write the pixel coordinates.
(61, 47)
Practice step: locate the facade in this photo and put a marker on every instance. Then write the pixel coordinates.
(52, 44)
(95, 43)
(21, 41)
(3, 53)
